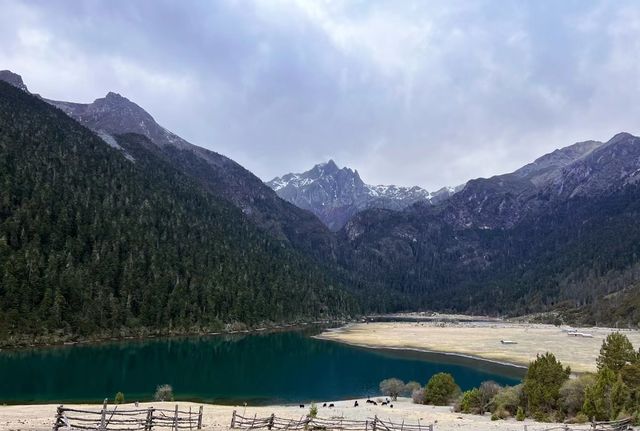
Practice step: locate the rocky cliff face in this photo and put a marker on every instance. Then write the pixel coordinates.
(13, 79)
(335, 194)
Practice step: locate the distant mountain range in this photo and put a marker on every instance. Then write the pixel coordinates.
(335, 194)
(111, 224)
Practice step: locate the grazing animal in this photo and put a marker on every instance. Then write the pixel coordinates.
(391, 405)
(384, 403)
(324, 405)
(374, 403)
(355, 404)
(301, 406)
(331, 405)
(369, 401)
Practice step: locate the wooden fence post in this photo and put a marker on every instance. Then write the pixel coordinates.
(430, 427)
(59, 413)
(271, 420)
(375, 420)
(103, 416)
(525, 428)
(149, 423)
(175, 419)
(233, 420)
(200, 418)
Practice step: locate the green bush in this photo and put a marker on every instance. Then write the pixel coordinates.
(441, 390)
(313, 410)
(470, 402)
(163, 393)
(520, 414)
(119, 398)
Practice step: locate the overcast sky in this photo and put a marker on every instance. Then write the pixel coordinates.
(427, 93)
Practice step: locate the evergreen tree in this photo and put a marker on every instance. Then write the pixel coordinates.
(541, 387)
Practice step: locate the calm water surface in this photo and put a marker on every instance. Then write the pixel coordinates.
(285, 367)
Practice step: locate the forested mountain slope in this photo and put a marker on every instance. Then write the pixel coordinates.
(505, 245)
(92, 242)
(115, 114)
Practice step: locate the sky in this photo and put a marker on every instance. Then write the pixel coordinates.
(427, 92)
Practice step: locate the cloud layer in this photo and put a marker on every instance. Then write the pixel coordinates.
(408, 92)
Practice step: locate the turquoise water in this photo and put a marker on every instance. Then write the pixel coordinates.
(287, 367)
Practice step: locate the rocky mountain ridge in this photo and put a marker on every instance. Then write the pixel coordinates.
(335, 194)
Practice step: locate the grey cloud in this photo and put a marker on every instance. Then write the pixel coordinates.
(410, 92)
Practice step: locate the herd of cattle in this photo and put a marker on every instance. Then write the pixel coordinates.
(355, 404)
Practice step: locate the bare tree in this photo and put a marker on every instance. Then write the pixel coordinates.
(392, 387)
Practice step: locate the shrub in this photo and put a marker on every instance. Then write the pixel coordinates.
(508, 398)
(410, 388)
(163, 393)
(470, 402)
(580, 418)
(392, 387)
(520, 414)
(572, 393)
(418, 396)
(545, 376)
(313, 410)
(441, 389)
(501, 413)
(487, 391)
(119, 398)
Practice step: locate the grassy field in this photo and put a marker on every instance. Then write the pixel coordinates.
(482, 340)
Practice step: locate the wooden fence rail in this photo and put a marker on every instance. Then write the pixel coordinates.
(306, 423)
(68, 419)
(619, 425)
(376, 424)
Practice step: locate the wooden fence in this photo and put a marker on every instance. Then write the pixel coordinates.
(126, 419)
(619, 425)
(306, 423)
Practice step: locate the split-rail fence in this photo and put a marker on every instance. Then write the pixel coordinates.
(306, 423)
(107, 419)
(314, 423)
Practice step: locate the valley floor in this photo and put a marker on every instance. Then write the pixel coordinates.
(482, 340)
(218, 417)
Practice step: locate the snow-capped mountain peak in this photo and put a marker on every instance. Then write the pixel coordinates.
(335, 194)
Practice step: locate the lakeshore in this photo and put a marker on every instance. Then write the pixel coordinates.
(218, 417)
(482, 340)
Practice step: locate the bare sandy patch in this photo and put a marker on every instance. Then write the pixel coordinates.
(218, 417)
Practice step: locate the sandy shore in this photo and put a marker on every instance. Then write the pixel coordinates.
(482, 340)
(216, 417)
